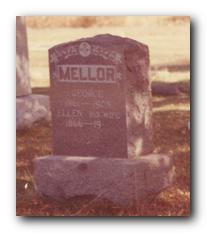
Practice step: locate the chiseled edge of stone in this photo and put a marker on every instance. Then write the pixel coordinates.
(98, 38)
(154, 159)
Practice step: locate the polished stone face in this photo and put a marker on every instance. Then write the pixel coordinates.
(100, 97)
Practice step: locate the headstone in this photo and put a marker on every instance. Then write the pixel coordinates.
(29, 107)
(100, 97)
(101, 115)
(22, 61)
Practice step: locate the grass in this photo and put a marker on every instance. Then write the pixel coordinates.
(171, 136)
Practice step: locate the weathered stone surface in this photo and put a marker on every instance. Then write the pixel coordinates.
(166, 89)
(121, 181)
(101, 97)
(30, 109)
(22, 61)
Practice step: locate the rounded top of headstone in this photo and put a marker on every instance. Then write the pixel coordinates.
(109, 40)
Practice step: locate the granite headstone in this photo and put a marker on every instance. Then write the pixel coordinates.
(30, 107)
(101, 116)
(100, 97)
(23, 86)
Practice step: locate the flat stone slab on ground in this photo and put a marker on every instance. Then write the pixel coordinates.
(30, 109)
(121, 181)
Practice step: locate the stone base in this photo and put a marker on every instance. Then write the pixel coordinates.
(121, 181)
(30, 109)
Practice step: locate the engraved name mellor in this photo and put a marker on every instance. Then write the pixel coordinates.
(87, 73)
